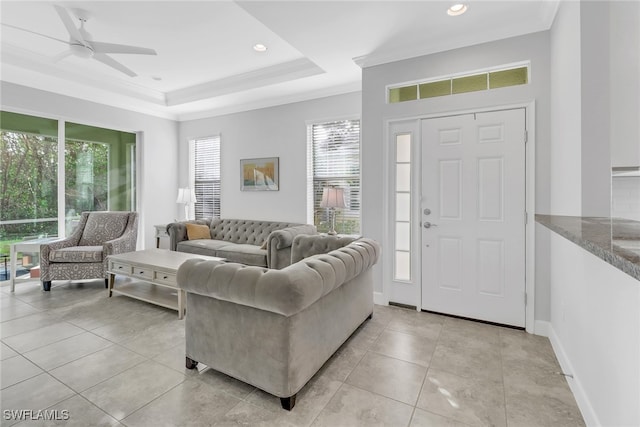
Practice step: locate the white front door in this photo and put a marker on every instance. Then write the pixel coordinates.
(473, 216)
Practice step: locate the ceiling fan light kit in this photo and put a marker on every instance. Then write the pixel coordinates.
(81, 50)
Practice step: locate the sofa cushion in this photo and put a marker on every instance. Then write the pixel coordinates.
(232, 252)
(77, 254)
(198, 231)
(102, 227)
(244, 254)
(201, 247)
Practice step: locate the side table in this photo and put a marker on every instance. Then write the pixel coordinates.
(29, 246)
(161, 233)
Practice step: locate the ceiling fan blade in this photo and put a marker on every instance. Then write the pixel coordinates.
(107, 60)
(101, 47)
(68, 23)
(59, 57)
(33, 32)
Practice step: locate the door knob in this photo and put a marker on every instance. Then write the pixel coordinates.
(427, 224)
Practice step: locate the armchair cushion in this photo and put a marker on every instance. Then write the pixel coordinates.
(77, 254)
(103, 226)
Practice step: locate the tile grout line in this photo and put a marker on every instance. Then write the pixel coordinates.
(153, 400)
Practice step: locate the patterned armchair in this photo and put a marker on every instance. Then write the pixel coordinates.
(84, 254)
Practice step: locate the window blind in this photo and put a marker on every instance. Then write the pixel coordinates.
(206, 152)
(335, 158)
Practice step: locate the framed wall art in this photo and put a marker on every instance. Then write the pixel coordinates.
(259, 174)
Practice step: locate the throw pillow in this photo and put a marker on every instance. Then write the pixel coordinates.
(198, 231)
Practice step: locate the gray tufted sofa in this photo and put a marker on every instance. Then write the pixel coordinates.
(239, 240)
(275, 329)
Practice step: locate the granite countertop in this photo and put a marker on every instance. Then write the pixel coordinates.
(615, 240)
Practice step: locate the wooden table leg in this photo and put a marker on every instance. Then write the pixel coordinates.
(112, 278)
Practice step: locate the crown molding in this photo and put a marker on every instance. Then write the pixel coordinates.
(273, 102)
(279, 73)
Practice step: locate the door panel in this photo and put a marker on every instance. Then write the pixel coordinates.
(473, 242)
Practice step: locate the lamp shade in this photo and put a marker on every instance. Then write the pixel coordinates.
(186, 195)
(332, 198)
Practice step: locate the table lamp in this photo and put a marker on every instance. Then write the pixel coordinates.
(186, 196)
(332, 198)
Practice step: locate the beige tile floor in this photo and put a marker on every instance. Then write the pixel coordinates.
(117, 361)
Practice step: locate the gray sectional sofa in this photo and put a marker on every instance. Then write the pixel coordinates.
(274, 329)
(242, 241)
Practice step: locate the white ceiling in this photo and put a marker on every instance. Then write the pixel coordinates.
(205, 58)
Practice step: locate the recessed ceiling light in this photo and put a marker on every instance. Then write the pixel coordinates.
(457, 9)
(259, 47)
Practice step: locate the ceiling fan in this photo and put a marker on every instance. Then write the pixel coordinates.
(81, 43)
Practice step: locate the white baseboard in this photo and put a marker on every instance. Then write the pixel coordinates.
(541, 327)
(589, 415)
(378, 298)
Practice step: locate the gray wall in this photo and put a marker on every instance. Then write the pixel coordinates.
(624, 44)
(533, 47)
(269, 132)
(595, 102)
(566, 111)
(158, 174)
(596, 119)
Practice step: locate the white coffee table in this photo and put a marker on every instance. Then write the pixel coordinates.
(151, 276)
(28, 246)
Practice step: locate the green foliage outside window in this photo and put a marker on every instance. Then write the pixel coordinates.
(28, 167)
(99, 174)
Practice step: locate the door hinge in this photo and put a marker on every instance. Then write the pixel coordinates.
(526, 136)
(526, 218)
(525, 298)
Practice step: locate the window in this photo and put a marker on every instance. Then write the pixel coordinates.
(47, 181)
(99, 170)
(402, 261)
(333, 156)
(205, 173)
(99, 174)
(29, 169)
(491, 79)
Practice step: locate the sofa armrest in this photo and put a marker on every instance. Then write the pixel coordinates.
(279, 244)
(306, 245)
(287, 291)
(178, 231)
(276, 291)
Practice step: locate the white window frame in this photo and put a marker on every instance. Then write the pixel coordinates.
(311, 205)
(215, 211)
